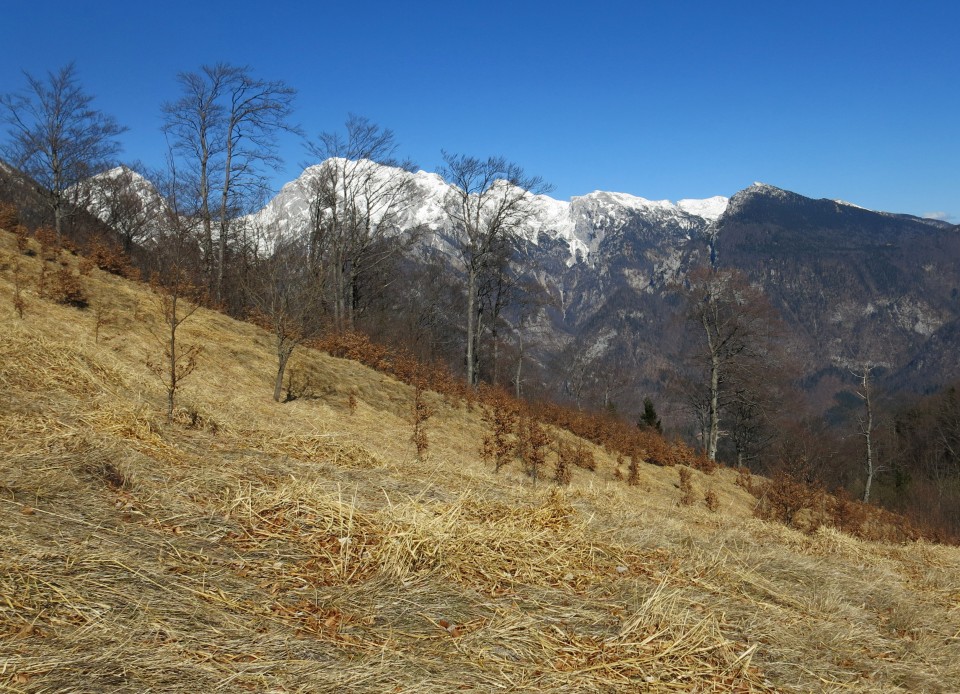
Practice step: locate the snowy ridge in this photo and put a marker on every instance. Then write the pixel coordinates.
(580, 223)
(120, 181)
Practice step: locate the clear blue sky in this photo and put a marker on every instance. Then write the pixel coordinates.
(852, 100)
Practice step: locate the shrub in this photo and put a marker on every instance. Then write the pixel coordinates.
(23, 240)
(686, 486)
(562, 474)
(49, 244)
(9, 216)
(532, 445)
(846, 514)
(783, 497)
(633, 476)
(85, 266)
(712, 500)
(702, 463)
(584, 458)
(421, 413)
(110, 257)
(68, 289)
(19, 304)
(501, 414)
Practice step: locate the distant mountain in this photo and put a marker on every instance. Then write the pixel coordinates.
(580, 224)
(856, 285)
(853, 285)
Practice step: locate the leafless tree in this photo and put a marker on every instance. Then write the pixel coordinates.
(737, 327)
(489, 202)
(174, 281)
(867, 428)
(225, 127)
(288, 301)
(127, 203)
(56, 137)
(358, 197)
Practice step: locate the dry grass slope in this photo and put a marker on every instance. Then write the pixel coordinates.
(304, 547)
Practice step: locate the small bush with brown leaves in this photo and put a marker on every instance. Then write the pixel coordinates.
(501, 414)
(704, 464)
(583, 457)
(9, 216)
(687, 497)
(744, 479)
(633, 476)
(562, 474)
(68, 289)
(19, 303)
(783, 497)
(422, 411)
(49, 244)
(533, 444)
(846, 514)
(22, 235)
(712, 500)
(110, 257)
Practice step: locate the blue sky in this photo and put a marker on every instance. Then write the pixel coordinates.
(850, 100)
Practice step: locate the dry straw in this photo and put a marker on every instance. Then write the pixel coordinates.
(250, 545)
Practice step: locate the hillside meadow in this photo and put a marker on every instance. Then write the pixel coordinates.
(304, 546)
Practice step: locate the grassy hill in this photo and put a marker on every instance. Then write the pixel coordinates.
(304, 547)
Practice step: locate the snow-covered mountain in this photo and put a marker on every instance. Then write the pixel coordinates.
(126, 201)
(606, 264)
(580, 223)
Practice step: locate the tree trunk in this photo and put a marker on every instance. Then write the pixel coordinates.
(224, 220)
(713, 434)
(471, 323)
(283, 356)
(58, 219)
(868, 435)
(172, 386)
(516, 376)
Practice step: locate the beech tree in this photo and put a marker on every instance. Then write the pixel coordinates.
(737, 328)
(123, 200)
(288, 301)
(173, 280)
(867, 428)
(224, 127)
(56, 137)
(357, 199)
(488, 204)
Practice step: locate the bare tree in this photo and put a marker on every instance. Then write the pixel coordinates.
(57, 138)
(737, 327)
(358, 198)
(225, 126)
(488, 204)
(177, 295)
(127, 203)
(288, 301)
(867, 429)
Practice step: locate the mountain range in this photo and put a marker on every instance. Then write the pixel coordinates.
(854, 286)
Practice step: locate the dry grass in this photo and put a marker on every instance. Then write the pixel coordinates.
(304, 547)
